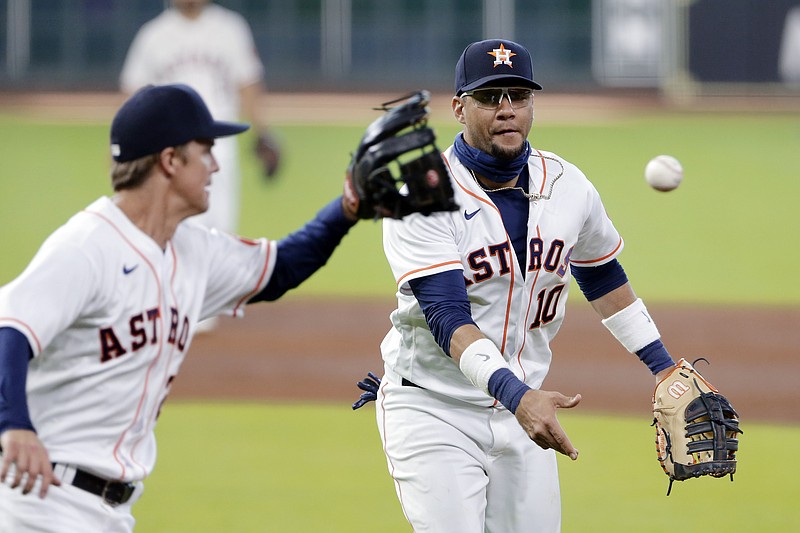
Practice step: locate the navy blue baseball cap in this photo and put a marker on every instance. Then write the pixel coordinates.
(160, 116)
(492, 60)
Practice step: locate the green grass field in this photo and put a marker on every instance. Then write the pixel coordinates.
(314, 468)
(726, 236)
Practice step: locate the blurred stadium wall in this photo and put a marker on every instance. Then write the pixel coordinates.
(377, 45)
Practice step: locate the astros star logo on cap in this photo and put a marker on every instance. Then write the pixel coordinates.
(502, 56)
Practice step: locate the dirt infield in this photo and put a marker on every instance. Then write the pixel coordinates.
(315, 350)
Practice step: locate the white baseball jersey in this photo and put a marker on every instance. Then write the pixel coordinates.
(110, 316)
(215, 54)
(789, 57)
(520, 315)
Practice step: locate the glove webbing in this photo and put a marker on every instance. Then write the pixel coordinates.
(716, 408)
(720, 413)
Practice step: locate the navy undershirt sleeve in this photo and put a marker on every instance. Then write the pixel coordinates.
(655, 356)
(303, 252)
(598, 281)
(444, 302)
(15, 352)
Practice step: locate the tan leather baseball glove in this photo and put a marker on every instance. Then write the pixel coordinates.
(696, 427)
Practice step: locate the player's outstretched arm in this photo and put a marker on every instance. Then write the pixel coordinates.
(23, 449)
(308, 249)
(481, 361)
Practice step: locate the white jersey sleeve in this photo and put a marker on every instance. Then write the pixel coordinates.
(137, 70)
(65, 278)
(237, 268)
(598, 241)
(247, 68)
(420, 246)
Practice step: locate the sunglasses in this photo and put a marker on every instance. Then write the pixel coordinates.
(492, 97)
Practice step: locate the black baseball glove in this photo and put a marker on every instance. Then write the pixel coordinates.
(397, 169)
(697, 429)
(268, 152)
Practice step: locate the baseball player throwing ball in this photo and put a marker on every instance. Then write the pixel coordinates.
(100, 321)
(469, 436)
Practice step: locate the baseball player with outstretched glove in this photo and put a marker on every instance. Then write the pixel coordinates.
(112, 302)
(696, 426)
(470, 436)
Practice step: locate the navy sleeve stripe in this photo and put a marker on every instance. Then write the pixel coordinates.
(15, 352)
(597, 281)
(443, 299)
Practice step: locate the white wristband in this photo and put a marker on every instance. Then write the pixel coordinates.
(633, 327)
(479, 361)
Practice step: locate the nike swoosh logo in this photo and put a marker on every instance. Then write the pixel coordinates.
(484, 356)
(468, 216)
(126, 270)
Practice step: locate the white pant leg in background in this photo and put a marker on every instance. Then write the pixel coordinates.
(465, 469)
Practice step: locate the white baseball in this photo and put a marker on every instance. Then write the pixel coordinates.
(663, 173)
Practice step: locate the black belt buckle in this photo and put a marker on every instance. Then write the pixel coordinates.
(116, 493)
(112, 492)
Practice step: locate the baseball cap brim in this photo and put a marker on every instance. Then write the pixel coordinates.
(518, 81)
(224, 129)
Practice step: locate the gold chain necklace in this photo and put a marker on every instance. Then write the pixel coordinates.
(531, 196)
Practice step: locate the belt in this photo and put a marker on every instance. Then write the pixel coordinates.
(407, 383)
(113, 492)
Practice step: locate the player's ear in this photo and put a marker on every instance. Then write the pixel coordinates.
(167, 159)
(458, 109)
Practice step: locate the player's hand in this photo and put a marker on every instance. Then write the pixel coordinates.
(23, 449)
(536, 414)
(349, 200)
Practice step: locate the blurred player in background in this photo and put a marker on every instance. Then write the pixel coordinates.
(211, 49)
(789, 58)
(95, 329)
